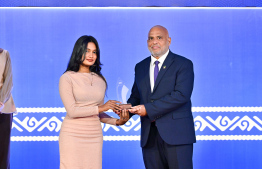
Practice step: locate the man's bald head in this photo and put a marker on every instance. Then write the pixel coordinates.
(161, 28)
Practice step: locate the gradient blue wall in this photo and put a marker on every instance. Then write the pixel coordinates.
(225, 46)
(131, 3)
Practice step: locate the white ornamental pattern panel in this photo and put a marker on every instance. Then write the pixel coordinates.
(211, 123)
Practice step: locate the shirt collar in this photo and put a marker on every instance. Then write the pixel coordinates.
(161, 59)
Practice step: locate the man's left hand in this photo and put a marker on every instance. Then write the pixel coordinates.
(139, 110)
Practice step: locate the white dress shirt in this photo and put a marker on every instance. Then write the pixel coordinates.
(152, 67)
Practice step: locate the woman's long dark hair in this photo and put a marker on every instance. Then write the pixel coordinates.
(79, 51)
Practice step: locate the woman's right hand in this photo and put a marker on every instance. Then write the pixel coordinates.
(124, 117)
(110, 104)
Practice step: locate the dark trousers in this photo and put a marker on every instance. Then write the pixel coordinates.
(157, 154)
(5, 132)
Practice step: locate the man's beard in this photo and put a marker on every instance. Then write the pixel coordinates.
(159, 53)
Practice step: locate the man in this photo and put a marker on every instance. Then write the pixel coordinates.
(7, 107)
(161, 96)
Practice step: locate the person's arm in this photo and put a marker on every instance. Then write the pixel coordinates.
(124, 117)
(6, 74)
(178, 97)
(134, 98)
(105, 118)
(67, 96)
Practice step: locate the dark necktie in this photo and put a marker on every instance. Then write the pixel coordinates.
(156, 70)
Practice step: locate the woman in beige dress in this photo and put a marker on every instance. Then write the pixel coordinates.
(82, 89)
(7, 108)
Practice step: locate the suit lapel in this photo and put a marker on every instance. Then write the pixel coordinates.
(147, 76)
(167, 63)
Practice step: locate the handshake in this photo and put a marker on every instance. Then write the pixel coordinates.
(123, 110)
(139, 110)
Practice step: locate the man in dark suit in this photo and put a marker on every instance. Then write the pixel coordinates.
(161, 96)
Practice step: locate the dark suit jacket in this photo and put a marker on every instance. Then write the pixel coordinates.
(169, 104)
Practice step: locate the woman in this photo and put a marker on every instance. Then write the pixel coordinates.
(82, 89)
(7, 108)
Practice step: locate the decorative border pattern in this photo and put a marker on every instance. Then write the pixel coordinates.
(56, 138)
(226, 109)
(228, 137)
(34, 138)
(41, 110)
(194, 109)
(137, 138)
(250, 125)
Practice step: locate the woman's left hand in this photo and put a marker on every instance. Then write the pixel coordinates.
(124, 117)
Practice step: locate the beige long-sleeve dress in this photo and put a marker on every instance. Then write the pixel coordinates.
(6, 83)
(81, 137)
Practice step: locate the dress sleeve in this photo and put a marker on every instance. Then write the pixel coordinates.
(105, 118)
(7, 78)
(68, 99)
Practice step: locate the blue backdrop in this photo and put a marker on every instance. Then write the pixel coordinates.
(131, 3)
(225, 46)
